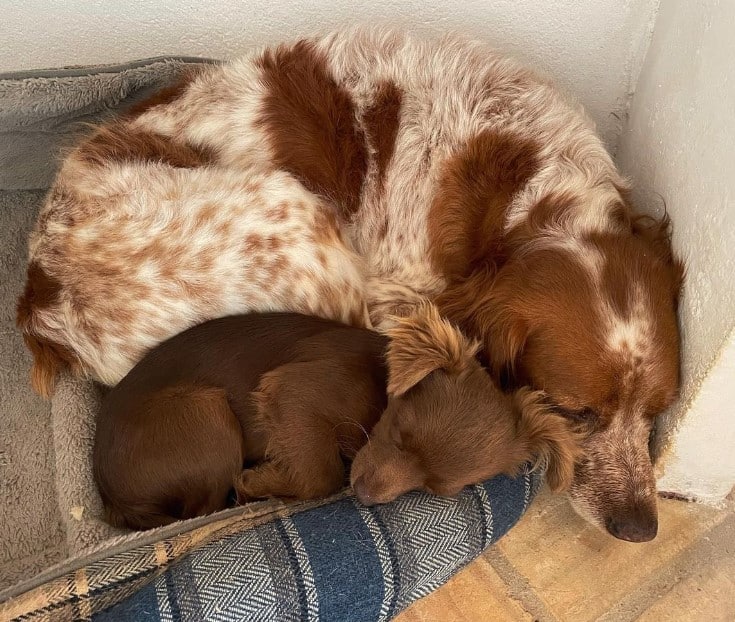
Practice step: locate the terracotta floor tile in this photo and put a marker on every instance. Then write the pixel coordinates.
(579, 572)
(555, 566)
(709, 598)
(708, 592)
(475, 594)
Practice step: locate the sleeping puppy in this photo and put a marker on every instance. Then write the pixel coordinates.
(284, 393)
(447, 425)
(292, 398)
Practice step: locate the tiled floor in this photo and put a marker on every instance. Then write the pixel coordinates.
(554, 567)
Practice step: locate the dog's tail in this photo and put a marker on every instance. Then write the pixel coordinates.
(548, 436)
(49, 358)
(48, 362)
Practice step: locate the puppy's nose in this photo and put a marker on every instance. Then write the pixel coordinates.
(638, 525)
(361, 491)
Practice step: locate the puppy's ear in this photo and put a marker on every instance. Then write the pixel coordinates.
(423, 343)
(488, 306)
(549, 437)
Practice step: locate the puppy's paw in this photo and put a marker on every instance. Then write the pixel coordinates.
(249, 487)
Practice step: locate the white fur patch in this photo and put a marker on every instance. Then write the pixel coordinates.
(632, 335)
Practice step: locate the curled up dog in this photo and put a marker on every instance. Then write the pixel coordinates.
(275, 405)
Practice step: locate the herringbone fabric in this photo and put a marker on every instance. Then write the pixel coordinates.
(339, 562)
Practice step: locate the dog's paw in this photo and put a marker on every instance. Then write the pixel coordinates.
(249, 487)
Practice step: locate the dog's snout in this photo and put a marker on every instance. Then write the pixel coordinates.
(640, 525)
(362, 492)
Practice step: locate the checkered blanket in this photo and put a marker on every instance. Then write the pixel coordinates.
(339, 562)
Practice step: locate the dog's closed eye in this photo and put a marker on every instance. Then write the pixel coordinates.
(395, 436)
(578, 415)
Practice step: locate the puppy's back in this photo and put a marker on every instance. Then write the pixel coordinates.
(172, 436)
(174, 457)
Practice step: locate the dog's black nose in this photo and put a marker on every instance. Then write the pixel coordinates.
(638, 525)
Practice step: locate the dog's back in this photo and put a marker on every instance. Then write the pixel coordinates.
(173, 435)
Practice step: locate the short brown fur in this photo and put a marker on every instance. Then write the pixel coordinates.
(120, 142)
(382, 119)
(167, 94)
(284, 394)
(468, 212)
(447, 425)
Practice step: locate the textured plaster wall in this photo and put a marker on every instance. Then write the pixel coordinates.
(594, 48)
(679, 142)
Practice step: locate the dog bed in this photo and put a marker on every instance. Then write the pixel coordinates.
(331, 560)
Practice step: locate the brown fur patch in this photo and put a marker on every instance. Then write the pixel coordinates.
(167, 94)
(381, 121)
(310, 121)
(175, 458)
(273, 244)
(326, 229)
(42, 291)
(531, 298)
(119, 142)
(253, 243)
(207, 214)
(277, 213)
(476, 187)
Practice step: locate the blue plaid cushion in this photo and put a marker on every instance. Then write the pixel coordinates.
(340, 562)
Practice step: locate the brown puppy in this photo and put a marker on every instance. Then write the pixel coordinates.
(285, 392)
(447, 425)
(292, 396)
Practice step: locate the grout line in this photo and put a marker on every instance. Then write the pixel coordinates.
(519, 587)
(705, 551)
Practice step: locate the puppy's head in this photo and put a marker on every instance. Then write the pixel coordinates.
(446, 425)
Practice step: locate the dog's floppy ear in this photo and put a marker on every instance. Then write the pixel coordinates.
(423, 343)
(656, 233)
(486, 305)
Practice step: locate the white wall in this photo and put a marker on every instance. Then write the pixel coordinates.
(680, 142)
(594, 48)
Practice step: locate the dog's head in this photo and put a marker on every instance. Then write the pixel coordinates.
(591, 321)
(446, 424)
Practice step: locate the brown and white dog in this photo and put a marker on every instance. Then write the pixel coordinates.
(356, 174)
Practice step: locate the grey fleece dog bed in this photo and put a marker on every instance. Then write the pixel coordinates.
(48, 510)
(55, 550)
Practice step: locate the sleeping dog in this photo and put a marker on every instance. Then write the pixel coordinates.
(275, 405)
